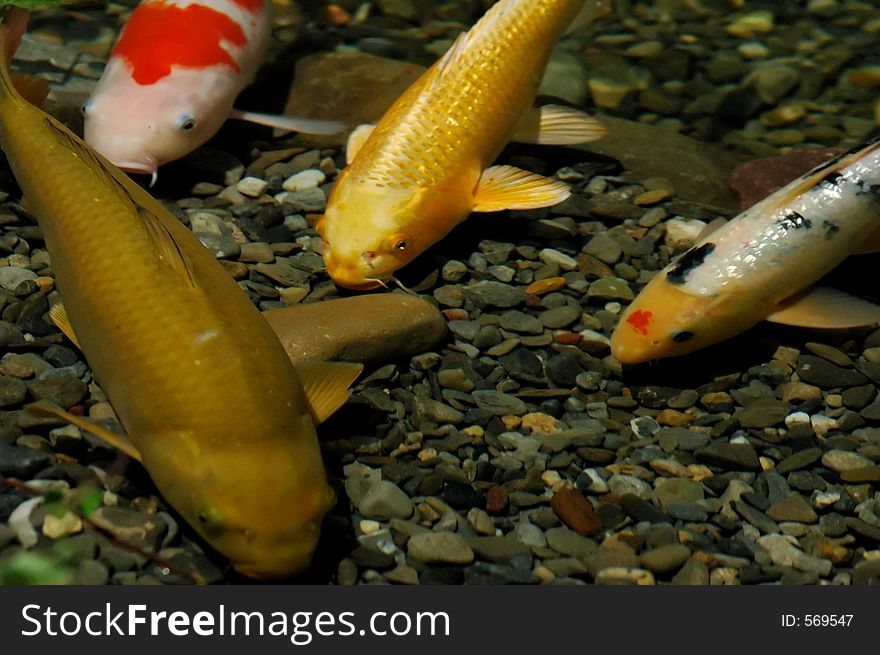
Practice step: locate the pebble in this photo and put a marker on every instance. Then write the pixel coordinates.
(11, 277)
(499, 404)
(439, 547)
(367, 328)
(664, 559)
(253, 187)
(306, 179)
(792, 508)
(568, 542)
(384, 500)
(576, 511)
(785, 552)
(842, 460)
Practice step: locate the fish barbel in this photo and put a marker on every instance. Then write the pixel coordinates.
(423, 168)
(209, 401)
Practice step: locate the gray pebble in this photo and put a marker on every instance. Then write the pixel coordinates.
(385, 500)
(433, 547)
(12, 276)
(499, 404)
(495, 294)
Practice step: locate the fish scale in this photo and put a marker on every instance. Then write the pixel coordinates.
(434, 103)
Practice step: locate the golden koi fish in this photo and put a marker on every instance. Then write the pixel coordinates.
(423, 168)
(761, 265)
(209, 400)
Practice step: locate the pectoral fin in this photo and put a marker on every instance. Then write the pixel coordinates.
(508, 187)
(356, 140)
(826, 308)
(327, 385)
(556, 125)
(114, 439)
(59, 317)
(289, 123)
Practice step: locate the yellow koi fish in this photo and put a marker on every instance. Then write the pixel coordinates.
(209, 400)
(761, 265)
(423, 168)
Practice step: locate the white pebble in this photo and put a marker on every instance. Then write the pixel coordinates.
(822, 499)
(369, 526)
(797, 418)
(306, 179)
(552, 256)
(683, 232)
(822, 424)
(20, 522)
(253, 187)
(206, 223)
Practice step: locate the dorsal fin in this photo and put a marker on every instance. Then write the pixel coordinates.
(557, 125)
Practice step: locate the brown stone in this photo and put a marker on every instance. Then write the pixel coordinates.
(497, 499)
(354, 88)
(862, 474)
(547, 285)
(576, 511)
(757, 179)
(368, 328)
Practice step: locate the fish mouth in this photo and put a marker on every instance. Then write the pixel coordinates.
(148, 167)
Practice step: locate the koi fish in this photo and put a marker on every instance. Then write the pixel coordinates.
(173, 76)
(425, 166)
(761, 265)
(209, 400)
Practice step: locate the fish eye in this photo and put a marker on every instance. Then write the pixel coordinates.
(87, 106)
(186, 123)
(682, 335)
(397, 243)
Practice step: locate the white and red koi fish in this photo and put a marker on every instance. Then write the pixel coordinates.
(173, 77)
(762, 264)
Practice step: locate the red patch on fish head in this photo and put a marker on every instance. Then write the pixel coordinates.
(640, 320)
(252, 6)
(159, 36)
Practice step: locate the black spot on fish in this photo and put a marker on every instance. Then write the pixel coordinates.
(682, 335)
(688, 262)
(831, 181)
(831, 228)
(794, 221)
(865, 189)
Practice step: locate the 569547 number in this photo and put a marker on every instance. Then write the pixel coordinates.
(817, 620)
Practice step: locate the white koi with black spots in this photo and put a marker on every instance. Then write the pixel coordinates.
(760, 265)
